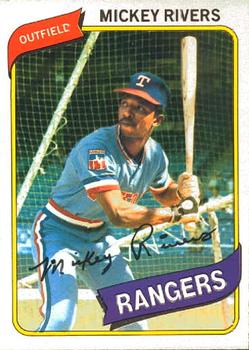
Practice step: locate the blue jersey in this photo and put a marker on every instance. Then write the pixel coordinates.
(99, 163)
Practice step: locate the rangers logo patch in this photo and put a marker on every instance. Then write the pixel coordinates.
(96, 159)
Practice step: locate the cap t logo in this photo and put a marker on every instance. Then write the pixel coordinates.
(142, 79)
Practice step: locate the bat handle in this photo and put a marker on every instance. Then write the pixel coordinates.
(189, 167)
(189, 158)
(189, 142)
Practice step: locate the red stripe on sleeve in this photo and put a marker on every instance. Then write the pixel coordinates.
(92, 192)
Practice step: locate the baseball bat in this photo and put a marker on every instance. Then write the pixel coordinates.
(188, 83)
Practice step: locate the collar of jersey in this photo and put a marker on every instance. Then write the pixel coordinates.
(127, 157)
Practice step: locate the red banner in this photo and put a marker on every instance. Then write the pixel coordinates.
(44, 33)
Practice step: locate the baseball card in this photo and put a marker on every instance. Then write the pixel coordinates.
(124, 136)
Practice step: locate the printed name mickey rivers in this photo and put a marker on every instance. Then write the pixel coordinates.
(154, 15)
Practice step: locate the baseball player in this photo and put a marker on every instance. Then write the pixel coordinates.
(105, 175)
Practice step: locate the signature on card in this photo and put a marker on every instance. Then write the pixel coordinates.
(137, 248)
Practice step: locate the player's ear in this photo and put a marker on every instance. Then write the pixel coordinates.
(159, 119)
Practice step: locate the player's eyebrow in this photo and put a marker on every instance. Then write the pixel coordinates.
(143, 103)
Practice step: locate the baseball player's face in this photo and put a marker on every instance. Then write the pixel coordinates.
(136, 117)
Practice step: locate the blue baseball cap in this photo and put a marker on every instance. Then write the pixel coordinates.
(149, 87)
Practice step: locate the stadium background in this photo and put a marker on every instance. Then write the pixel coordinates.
(40, 81)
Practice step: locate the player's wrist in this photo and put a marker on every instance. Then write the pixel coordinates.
(165, 214)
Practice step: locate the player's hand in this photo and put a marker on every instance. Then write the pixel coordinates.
(188, 186)
(186, 211)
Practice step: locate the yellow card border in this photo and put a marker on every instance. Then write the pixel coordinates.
(236, 187)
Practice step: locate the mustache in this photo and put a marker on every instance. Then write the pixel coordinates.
(128, 121)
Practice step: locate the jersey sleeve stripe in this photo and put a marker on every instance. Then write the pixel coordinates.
(101, 183)
(92, 192)
(163, 188)
(65, 215)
